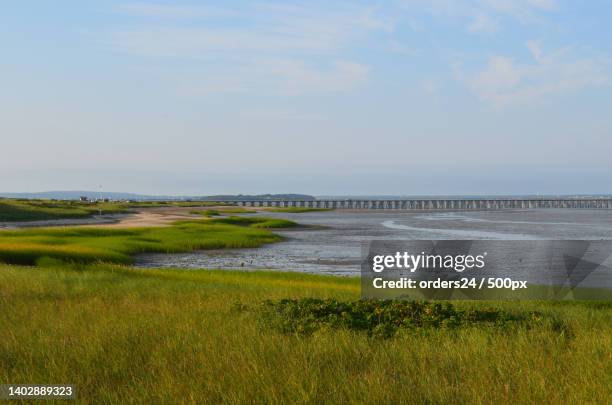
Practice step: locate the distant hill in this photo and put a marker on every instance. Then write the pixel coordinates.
(75, 195)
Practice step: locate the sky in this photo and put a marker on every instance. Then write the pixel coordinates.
(399, 97)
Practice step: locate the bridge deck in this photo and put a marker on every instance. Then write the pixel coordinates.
(435, 204)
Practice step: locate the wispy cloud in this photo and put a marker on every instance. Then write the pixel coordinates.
(143, 9)
(284, 77)
(262, 28)
(295, 78)
(298, 48)
(520, 8)
(483, 23)
(482, 16)
(202, 43)
(504, 81)
(287, 48)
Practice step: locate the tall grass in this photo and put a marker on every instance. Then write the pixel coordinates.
(148, 336)
(173, 336)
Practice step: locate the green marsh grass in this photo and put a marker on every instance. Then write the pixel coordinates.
(256, 222)
(117, 245)
(186, 204)
(13, 210)
(22, 210)
(206, 213)
(222, 211)
(173, 336)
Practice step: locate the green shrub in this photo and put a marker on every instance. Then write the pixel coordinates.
(381, 318)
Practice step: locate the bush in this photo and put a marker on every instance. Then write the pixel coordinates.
(380, 318)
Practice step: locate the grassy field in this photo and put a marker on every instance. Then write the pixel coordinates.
(167, 336)
(17, 210)
(257, 222)
(222, 211)
(117, 245)
(13, 210)
(238, 210)
(22, 210)
(194, 204)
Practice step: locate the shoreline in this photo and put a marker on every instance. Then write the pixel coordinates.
(140, 217)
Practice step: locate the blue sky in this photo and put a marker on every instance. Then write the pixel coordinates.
(398, 97)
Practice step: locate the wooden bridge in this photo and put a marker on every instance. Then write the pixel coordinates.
(435, 204)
